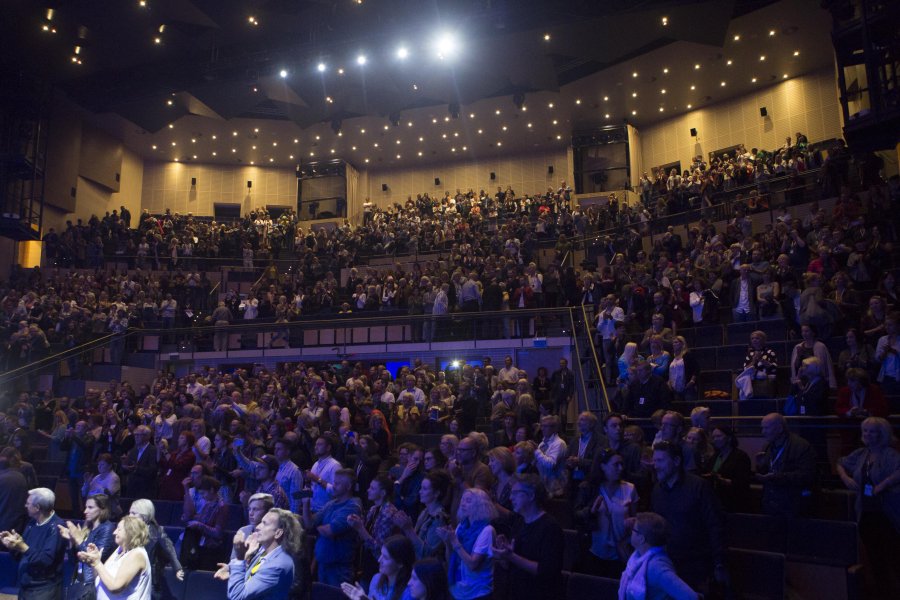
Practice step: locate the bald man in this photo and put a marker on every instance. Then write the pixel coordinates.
(786, 468)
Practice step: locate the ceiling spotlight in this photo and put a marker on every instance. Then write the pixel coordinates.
(157, 40)
(737, 38)
(176, 160)
(546, 37)
(253, 147)
(497, 112)
(169, 102)
(214, 154)
(728, 62)
(662, 91)
(193, 140)
(606, 98)
(634, 112)
(796, 53)
(420, 153)
(402, 52)
(291, 157)
(722, 84)
(550, 105)
(666, 70)
(635, 74)
(661, 109)
(665, 21)
(398, 157)
(340, 71)
(785, 76)
(693, 87)
(499, 143)
(634, 94)
(753, 80)
(321, 67)
(762, 57)
(195, 157)
(421, 139)
(233, 150)
(296, 141)
(171, 125)
(529, 125)
(329, 99)
(252, 21)
(606, 116)
(554, 122)
(214, 136)
(480, 131)
(234, 133)
(410, 124)
(689, 106)
(578, 101)
(283, 73)
(504, 128)
(434, 119)
(274, 143)
(317, 138)
(142, 3)
(771, 32)
(446, 46)
(367, 160)
(256, 130)
(697, 67)
(361, 59)
(153, 146)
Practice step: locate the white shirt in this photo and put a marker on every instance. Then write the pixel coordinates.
(138, 589)
(324, 468)
(607, 327)
(550, 458)
(744, 298)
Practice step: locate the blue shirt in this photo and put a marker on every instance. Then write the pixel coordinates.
(339, 547)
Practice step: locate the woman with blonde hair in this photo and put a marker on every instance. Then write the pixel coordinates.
(125, 575)
(468, 547)
(56, 436)
(628, 358)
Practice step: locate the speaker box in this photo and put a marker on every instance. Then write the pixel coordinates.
(693, 132)
(763, 112)
(383, 187)
(249, 184)
(493, 176)
(437, 181)
(550, 170)
(193, 181)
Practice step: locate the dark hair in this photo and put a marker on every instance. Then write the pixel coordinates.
(102, 502)
(440, 482)
(673, 449)
(373, 444)
(433, 575)
(439, 457)
(402, 551)
(615, 415)
(271, 463)
(348, 473)
(384, 482)
(729, 433)
(208, 483)
(534, 483)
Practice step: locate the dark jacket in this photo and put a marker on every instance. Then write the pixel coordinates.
(643, 399)
(102, 537)
(13, 494)
(586, 461)
(736, 469)
(697, 540)
(793, 469)
(735, 293)
(142, 481)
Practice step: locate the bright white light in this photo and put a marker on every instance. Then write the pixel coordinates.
(283, 73)
(402, 52)
(321, 67)
(361, 59)
(447, 45)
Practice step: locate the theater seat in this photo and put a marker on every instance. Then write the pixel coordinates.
(756, 532)
(756, 575)
(584, 587)
(201, 585)
(823, 558)
(9, 573)
(170, 587)
(321, 591)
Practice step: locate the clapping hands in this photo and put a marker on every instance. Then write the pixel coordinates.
(353, 591)
(90, 556)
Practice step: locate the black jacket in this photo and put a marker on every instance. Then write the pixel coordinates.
(793, 469)
(643, 399)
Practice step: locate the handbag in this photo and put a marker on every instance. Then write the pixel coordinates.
(80, 590)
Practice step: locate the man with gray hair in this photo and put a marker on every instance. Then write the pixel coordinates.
(40, 550)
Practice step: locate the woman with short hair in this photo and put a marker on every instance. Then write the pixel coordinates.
(650, 572)
(159, 547)
(126, 574)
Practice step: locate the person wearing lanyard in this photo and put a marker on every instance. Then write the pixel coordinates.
(582, 449)
(786, 468)
(263, 565)
(887, 352)
(873, 473)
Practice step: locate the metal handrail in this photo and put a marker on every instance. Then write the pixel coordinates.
(61, 356)
(578, 360)
(596, 360)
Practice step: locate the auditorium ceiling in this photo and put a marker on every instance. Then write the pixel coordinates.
(383, 83)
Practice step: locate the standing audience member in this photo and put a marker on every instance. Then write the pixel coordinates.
(581, 450)
(650, 572)
(730, 473)
(434, 495)
(97, 530)
(873, 472)
(322, 473)
(550, 457)
(13, 494)
(534, 552)
(335, 544)
(786, 468)
(40, 550)
(688, 503)
(468, 547)
(562, 391)
(159, 547)
(126, 574)
(263, 566)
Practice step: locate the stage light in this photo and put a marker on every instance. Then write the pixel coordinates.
(321, 67)
(361, 59)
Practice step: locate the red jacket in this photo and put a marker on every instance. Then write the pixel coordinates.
(874, 402)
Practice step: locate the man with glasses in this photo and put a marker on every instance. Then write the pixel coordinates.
(469, 471)
(649, 572)
(140, 464)
(534, 554)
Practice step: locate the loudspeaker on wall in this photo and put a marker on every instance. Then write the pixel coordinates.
(249, 184)
(437, 181)
(693, 132)
(383, 187)
(763, 112)
(193, 181)
(493, 176)
(550, 170)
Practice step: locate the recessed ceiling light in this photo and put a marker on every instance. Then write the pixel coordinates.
(252, 162)
(499, 143)
(171, 125)
(214, 137)
(253, 147)
(662, 91)
(375, 145)
(256, 130)
(693, 87)
(317, 138)
(353, 148)
(193, 140)
(480, 131)
(771, 32)
(270, 160)
(762, 57)
(665, 21)
(312, 153)
(559, 137)
(785, 76)
(420, 153)
(385, 127)
(504, 128)
(497, 112)
(153, 146)
(606, 116)
(737, 38)
(157, 40)
(234, 133)
(361, 59)
(634, 112)
(402, 52)
(697, 66)
(398, 157)
(529, 125)
(446, 119)
(606, 98)
(451, 150)
(173, 143)
(550, 105)
(410, 124)
(169, 102)
(796, 53)
(666, 70)
(332, 150)
(321, 67)
(444, 135)
(340, 134)
(728, 62)
(635, 74)
(283, 73)
(367, 160)
(296, 141)
(554, 122)
(176, 160)
(464, 148)
(578, 101)
(546, 37)
(291, 157)
(214, 154)
(341, 71)
(455, 134)
(634, 94)
(722, 84)
(471, 115)
(398, 142)
(524, 108)
(421, 139)
(434, 120)
(233, 150)
(753, 80)
(661, 109)
(362, 130)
